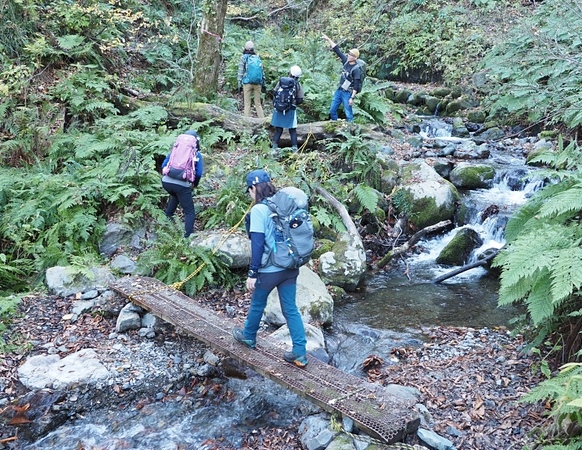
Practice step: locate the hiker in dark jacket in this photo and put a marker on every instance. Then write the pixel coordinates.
(250, 90)
(350, 81)
(264, 276)
(288, 119)
(181, 190)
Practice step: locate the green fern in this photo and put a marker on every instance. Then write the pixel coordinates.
(565, 392)
(542, 259)
(367, 196)
(171, 260)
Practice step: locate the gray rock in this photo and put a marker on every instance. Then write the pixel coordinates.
(67, 280)
(43, 371)
(434, 440)
(123, 264)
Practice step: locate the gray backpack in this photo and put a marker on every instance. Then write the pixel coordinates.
(294, 239)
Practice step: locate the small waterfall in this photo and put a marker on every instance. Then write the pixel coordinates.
(487, 212)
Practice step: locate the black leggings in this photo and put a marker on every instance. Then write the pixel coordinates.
(279, 132)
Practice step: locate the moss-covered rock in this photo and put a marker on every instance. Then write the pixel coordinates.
(472, 176)
(424, 196)
(458, 251)
(345, 264)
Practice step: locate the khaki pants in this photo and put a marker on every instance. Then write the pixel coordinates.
(248, 91)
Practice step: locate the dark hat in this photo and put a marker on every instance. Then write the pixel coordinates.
(256, 177)
(192, 133)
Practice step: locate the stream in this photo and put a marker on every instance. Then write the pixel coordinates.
(389, 313)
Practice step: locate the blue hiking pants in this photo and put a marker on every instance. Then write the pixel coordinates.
(341, 97)
(286, 283)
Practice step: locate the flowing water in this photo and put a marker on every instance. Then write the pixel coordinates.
(388, 314)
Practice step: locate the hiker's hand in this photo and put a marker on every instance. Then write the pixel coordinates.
(331, 43)
(264, 89)
(251, 284)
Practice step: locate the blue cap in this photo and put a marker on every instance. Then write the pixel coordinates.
(256, 177)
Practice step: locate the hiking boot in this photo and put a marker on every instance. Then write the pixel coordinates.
(239, 336)
(299, 361)
(294, 149)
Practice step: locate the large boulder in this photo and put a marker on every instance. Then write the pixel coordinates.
(314, 302)
(345, 264)
(234, 248)
(424, 196)
(68, 280)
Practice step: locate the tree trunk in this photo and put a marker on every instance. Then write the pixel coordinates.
(208, 60)
(238, 124)
(486, 261)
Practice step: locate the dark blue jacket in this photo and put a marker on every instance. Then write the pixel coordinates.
(350, 72)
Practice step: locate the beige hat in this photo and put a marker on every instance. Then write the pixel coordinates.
(249, 45)
(354, 52)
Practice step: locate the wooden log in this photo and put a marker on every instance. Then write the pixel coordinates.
(411, 242)
(486, 261)
(342, 211)
(236, 123)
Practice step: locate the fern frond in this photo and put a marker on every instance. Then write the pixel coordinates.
(540, 305)
(565, 203)
(566, 274)
(367, 197)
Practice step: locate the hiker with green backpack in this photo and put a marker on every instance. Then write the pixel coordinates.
(251, 79)
(353, 73)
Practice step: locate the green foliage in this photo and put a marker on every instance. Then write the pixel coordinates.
(323, 218)
(356, 160)
(435, 40)
(8, 306)
(536, 71)
(367, 196)
(86, 92)
(13, 273)
(372, 105)
(184, 261)
(564, 391)
(547, 226)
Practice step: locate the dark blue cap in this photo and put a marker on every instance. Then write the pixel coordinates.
(256, 177)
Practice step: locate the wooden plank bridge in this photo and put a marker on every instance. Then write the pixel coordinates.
(373, 409)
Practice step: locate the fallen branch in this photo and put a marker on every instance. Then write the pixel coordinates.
(411, 242)
(460, 270)
(486, 261)
(341, 209)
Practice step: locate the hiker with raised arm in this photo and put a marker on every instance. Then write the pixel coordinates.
(350, 82)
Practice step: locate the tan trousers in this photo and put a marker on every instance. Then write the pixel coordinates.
(248, 91)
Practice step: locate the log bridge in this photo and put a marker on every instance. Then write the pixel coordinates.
(374, 409)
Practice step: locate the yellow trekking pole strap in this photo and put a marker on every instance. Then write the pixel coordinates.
(179, 284)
